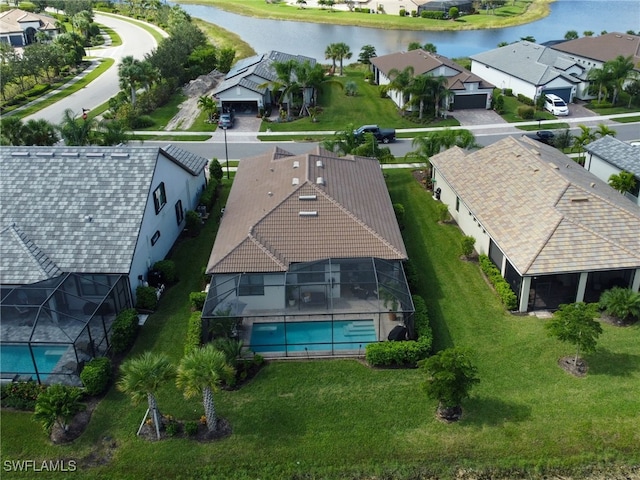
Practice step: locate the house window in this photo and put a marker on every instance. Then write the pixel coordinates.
(155, 238)
(457, 204)
(159, 198)
(179, 212)
(251, 285)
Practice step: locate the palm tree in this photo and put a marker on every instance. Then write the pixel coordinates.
(208, 105)
(57, 405)
(112, 132)
(586, 136)
(331, 54)
(621, 69)
(623, 182)
(603, 130)
(420, 90)
(39, 132)
(200, 373)
(130, 72)
(342, 51)
(620, 302)
(148, 74)
(141, 378)
(601, 78)
(400, 82)
(285, 82)
(11, 129)
(440, 91)
(76, 131)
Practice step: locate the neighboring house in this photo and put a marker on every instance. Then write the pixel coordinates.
(79, 229)
(464, 6)
(557, 233)
(531, 70)
(308, 257)
(18, 28)
(609, 156)
(469, 90)
(246, 89)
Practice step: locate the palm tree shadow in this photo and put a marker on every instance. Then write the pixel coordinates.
(489, 411)
(606, 362)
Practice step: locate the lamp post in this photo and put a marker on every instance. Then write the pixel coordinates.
(226, 152)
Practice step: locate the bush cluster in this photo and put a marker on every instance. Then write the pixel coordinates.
(167, 269)
(96, 375)
(526, 100)
(508, 298)
(21, 395)
(527, 113)
(123, 330)
(508, 92)
(197, 300)
(362, 10)
(194, 333)
(404, 353)
(433, 15)
(146, 298)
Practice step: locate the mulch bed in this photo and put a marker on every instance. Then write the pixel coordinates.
(223, 429)
(577, 369)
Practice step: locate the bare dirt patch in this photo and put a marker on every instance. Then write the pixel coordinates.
(189, 110)
(578, 368)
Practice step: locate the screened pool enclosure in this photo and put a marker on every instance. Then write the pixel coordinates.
(51, 328)
(333, 307)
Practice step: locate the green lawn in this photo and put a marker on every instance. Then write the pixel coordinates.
(340, 419)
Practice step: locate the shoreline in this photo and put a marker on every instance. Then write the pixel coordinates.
(536, 10)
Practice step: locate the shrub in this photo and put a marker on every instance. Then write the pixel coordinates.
(123, 330)
(197, 300)
(526, 100)
(194, 333)
(525, 112)
(411, 273)
(96, 375)
(443, 212)
(620, 302)
(433, 15)
(398, 208)
(167, 269)
(414, 13)
(146, 298)
(215, 169)
(21, 395)
(194, 222)
(402, 12)
(466, 245)
(191, 428)
(421, 320)
(502, 287)
(508, 92)
(142, 121)
(499, 104)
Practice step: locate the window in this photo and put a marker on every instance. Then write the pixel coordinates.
(155, 238)
(251, 285)
(457, 204)
(159, 198)
(179, 212)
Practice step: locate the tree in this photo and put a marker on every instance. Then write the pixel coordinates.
(39, 132)
(621, 68)
(111, 132)
(400, 81)
(574, 323)
(586, 136)
(454, 13)
(130, 71)
(57, 405)
(413, 46)
(366, 54)
(141, 378)
(11, 129)
(420, 90)
(285, 82)
(342, 51)
(209, 106)
(200, 373)
(450, 377)
(76, 131)
(430, 47)
(603, 130)
(633, 90)
(330, 53)
(623, 182)
(620, 302)
(571, 35)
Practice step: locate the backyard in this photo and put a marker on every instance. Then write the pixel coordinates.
(341, 419)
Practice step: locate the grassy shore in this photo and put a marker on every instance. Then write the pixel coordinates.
(514, 13)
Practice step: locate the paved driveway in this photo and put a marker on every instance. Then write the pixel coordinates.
(477, 116)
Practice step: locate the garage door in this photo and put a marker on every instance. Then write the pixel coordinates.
(470, 101)
(563, 93)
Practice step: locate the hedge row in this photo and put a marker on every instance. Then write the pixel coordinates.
(404, 353)
(508, 298)
(194, 333)
(96, 375)
(146, 298)
(197, 300)
(123, 330)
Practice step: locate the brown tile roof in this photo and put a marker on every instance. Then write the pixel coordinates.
(286, 208)
(424, 62)
(547, 214)
(604, 47)
(10, 20)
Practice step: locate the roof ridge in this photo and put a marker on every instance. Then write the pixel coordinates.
(276, 256)
(593, 232)
(35, 252)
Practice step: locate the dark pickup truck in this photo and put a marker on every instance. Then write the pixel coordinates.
(384, 135)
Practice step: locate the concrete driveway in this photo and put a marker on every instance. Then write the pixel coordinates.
(477, 116)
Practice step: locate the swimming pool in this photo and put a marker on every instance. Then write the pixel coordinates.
(17, 359)
(312, 336)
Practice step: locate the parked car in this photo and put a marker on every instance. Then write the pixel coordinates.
(544, 136)
(555, 105)
(226, 120)
(384, 135)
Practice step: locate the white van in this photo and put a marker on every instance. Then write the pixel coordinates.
(555, 105)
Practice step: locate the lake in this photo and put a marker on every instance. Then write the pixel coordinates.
(311, 39)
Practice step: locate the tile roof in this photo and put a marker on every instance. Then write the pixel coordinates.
(530, 62)
(74, 209)
(547, 214)
(11, 19)
(603, 47)
(424, 62)
(286, 208)
(618, 153)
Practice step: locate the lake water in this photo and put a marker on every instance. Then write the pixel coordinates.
(311, 39)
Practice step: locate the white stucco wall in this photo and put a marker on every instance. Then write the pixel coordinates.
(603, 170)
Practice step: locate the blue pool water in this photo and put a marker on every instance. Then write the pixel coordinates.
(312, 336)
(17, 359)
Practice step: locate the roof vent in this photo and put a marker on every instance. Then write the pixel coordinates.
(307, 197)
(580, 199)
(320, 180)
(44, 154)
(270, 194)
(296, 164)
(70, 154)
(295, 181)
(593, 184)
(95, 154)
(308, 213)
(19, 154)
(119, 155)
(319, 164)
(88, 218)
(554, 166)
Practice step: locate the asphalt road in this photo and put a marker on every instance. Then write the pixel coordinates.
(136, 41)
